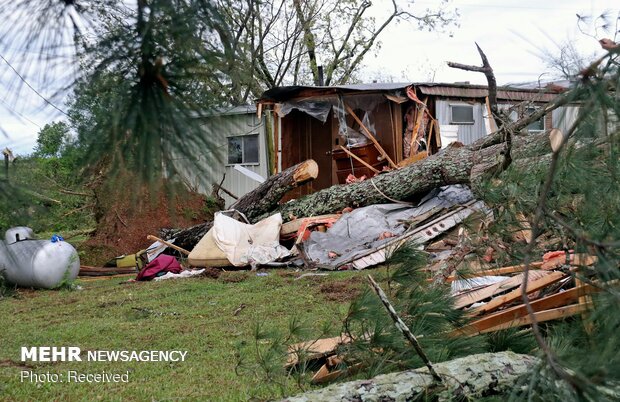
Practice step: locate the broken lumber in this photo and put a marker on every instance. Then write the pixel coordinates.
(485, 323)
(542, 316)
(177, 248)
(492, 272)
(468, 377)
(312, 350)
(516, 294)
(492, 290)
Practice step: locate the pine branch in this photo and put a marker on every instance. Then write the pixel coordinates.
(402, 327)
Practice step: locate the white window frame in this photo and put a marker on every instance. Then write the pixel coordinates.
(243, 163)
(473, 117)
(526, 112)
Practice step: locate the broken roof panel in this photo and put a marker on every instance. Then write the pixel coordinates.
(460, 90)
(477, 91)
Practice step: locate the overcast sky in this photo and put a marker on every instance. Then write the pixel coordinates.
(512, 34)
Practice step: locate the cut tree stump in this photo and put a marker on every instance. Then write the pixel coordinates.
(466, 378)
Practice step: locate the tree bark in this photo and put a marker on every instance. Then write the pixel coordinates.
(466, 378)
(266, 196)
(453, 165)
(254, 204)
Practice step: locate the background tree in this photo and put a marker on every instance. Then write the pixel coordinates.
(564, 60)
(284, 42)
(52, 139)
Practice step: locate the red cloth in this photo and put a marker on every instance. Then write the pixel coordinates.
(163, 263)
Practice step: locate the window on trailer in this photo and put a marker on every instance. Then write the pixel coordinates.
(243, 150)
(461, 114)
(538, 125)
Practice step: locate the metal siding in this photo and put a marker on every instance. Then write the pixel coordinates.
(467, 133)
(563, 117)
(472, 91)
(204, 168)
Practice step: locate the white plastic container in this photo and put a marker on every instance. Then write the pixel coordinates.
(37, 263)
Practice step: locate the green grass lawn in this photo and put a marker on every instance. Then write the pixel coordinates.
(195, 315)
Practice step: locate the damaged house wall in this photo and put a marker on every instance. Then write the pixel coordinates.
(247, 144)
(308, 120)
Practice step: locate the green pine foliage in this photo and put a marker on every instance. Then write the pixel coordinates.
(428, 310)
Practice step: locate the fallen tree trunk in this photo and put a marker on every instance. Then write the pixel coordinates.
(465, 378)
(453, 165)
(258, 202)
(264, 198)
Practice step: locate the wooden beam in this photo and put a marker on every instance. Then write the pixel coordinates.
(370, 136)
(496, 271)
(419, 116)
(501, 317)
(517, 293)
(491, 290)
(542, 316)
(177, 248)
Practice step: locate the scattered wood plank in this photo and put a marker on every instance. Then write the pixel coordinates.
(327, 373)
(492, 290)
(502, 317)
(560, 260)
(532, 286)
(542, 316)
(316, 349)
(492, 272)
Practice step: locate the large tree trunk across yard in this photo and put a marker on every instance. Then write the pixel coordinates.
(466, 378)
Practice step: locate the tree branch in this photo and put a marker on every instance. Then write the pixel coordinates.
(402, 327)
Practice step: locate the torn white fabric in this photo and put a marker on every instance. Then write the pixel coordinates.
(184, 274)
(246, 244)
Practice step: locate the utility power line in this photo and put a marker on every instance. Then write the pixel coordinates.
(32, 88)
